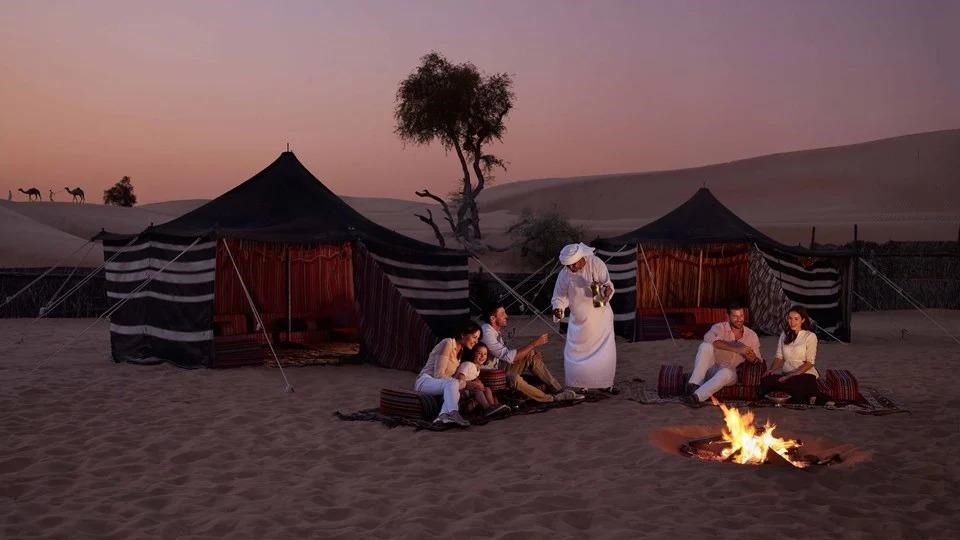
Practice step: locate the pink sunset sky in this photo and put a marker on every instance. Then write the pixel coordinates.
(191, 98)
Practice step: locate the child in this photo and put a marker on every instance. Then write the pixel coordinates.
(469, 372)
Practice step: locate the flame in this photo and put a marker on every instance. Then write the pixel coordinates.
(746, 445)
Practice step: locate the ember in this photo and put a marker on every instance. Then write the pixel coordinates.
(743, 443)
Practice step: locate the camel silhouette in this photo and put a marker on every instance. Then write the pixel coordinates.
(31, 193)
(77, 194)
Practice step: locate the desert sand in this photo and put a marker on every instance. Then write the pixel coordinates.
(93, 449)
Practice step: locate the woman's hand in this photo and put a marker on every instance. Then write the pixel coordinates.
(784, 379)
(767, 373)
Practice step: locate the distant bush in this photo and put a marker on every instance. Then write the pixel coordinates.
(542, 235)
(121, 194)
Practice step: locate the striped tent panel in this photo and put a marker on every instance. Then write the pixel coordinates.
(170, 319)
(621, 261)
(392, 332)
(767, 302)
(814, 283)
(436, 285)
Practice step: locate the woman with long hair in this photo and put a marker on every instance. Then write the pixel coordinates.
(793, 370)
(437, 376)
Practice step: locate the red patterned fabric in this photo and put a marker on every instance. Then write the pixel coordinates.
(842, 385)
(319, 278)
(392, 333)
(670, 382)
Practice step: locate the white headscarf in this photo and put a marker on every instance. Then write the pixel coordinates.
(572, 253)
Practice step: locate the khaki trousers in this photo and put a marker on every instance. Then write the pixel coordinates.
(532, 361)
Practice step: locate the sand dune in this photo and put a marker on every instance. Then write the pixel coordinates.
(904, 188)
(27, 243)
(98, 450)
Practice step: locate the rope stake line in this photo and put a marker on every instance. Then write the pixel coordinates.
(899, 290)
(256, 315)
(114, 308)
(12, 297)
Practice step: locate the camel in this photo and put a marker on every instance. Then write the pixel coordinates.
(31, 193)
(77, 194)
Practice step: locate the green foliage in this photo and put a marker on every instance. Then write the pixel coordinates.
(463, 110)
(542, 235)
(121, 194)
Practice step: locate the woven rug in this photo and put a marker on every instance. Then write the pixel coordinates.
(876, 401)
(518, 408)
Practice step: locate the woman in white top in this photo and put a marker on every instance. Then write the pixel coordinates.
(437, 376)
(793, 369)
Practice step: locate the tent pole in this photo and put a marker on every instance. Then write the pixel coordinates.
(256, 316)
(289, 299)
(653, 282)
(699, 277)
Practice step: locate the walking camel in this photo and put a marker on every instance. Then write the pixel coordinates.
(31, 193)
(77, 194)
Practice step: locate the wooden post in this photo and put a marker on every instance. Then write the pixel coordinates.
(856, 234)
(813, 236)
(699, 277)
(289, 299)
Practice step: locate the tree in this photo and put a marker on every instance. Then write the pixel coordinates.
(121, 194)
(464, 110)
(542, 235)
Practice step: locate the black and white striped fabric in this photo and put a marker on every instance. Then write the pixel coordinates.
(621, 262)
(435, 284)
(171, 318)
(814, 283)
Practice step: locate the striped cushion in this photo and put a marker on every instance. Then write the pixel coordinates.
(409, 404)
(670, 382)
(494, 379)
(749, 374)
(843, 385)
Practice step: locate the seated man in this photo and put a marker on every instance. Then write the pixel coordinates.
(518, 361)
(725, 346)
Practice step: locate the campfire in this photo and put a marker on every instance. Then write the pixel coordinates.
(743, 443)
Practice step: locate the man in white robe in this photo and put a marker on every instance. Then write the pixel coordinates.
(590, 354)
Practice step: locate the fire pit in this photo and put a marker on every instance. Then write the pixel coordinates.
(743, 443)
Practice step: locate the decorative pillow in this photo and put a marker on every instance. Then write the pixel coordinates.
(408, 404)
(670, 382)
(749, 374)
(843, 385)
(494, 379)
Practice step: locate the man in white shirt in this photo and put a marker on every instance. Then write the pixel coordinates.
(518, 361)
(725, 346)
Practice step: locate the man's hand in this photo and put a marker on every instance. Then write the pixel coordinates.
(539, 341)
(607, 293)
(750, 355)
(558, 313)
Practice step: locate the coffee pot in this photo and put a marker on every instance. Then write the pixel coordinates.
(596, 289)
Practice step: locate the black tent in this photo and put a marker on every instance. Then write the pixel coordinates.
(311, 264)
(701, 256)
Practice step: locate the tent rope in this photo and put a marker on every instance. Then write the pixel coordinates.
(12, 297)
(916, 304)
(653, 282)
(69, 277)
(557, 268)
(54, 304)
(256, 315)
(115, 307)
(523, 300)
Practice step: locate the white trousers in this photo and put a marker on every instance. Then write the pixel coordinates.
(448, 387)
(708, 374)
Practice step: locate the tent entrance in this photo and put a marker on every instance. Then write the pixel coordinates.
(695, 283)
(305, 297)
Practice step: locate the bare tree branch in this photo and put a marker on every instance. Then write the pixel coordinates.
(436, 230)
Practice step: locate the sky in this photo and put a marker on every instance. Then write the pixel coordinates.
(191, 98)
